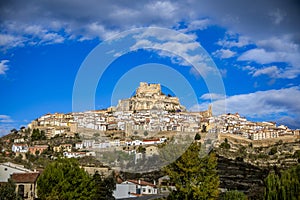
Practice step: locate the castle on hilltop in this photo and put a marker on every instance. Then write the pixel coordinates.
(148, 97)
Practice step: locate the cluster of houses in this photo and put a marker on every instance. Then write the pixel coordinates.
(235, 124)
(93, 144)
(55, 124)
(128, 121)
(24, 148)
(139, 121)
(83, 148)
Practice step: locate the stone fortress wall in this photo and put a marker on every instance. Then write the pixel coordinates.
(147, 97)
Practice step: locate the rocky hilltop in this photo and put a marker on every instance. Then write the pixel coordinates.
(150, 96)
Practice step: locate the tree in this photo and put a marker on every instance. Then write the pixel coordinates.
(64, 179)
(273, 151)
(38, 135)
(96, 135)
(145, 133)
(283, 186)
(225, 144)
(194, 177)
(103, 188)
(234, 195)
(197, 136)
(8, 191)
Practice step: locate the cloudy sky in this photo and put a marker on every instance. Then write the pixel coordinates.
(254, 44)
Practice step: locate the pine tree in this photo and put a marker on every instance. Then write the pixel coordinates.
(64, 179)
(8, 191)
(194, 177)
(103, 187)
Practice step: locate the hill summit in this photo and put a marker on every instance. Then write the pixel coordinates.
(150, 96)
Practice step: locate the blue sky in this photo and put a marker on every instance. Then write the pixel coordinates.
(254, 45)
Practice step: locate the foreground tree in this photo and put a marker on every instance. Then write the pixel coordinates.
(64, 179)
(283, 186)
(103, 187)
(8, 191)
(195, 177)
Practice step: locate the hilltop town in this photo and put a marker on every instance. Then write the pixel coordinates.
(134, 134)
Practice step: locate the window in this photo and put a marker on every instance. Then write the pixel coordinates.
(5, 169)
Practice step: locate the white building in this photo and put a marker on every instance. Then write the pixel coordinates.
(133, 188)
(21, 148)
(7, 169)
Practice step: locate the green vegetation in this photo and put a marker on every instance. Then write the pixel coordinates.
(146, 133)
(273, 150)
(96, 135)
(197, 136)
(64, 179)
(234, 195)
(283, 186)
(194, 177)
(8, 191)
(38, 135)
(103, 187)
(225, 144)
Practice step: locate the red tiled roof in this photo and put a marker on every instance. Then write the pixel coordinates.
(143, 183)
(151, 140)
(24, 177)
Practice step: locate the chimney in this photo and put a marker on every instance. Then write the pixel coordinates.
(154, 182)
(139, 181)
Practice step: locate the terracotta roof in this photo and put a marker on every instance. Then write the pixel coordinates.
(151, 140)
(24, 177)
(143, 183)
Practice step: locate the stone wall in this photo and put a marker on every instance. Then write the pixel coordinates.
(147, 97)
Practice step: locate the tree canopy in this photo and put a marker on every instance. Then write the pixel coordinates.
(8, 191)
(64, 179)
(234, 195)
(195, 177)
(38, 135)
(283, 186)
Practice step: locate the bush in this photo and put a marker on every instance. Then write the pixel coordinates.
(197, 136)
(273, 151)
(234, 195)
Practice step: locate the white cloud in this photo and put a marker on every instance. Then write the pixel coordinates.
(224, 53)
(5, 119)
(272, 71)
(9, 40)
(212, 96)
(282, 44)
(3, 68)
(6, 124)
(277, 16)
(257, 21)
(261, 56)
(271, 104)
(201, 24)
(233, 40)
(181, 48)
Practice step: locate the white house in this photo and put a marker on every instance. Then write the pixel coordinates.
(7, 169)
(22, 148)
(134, 188)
